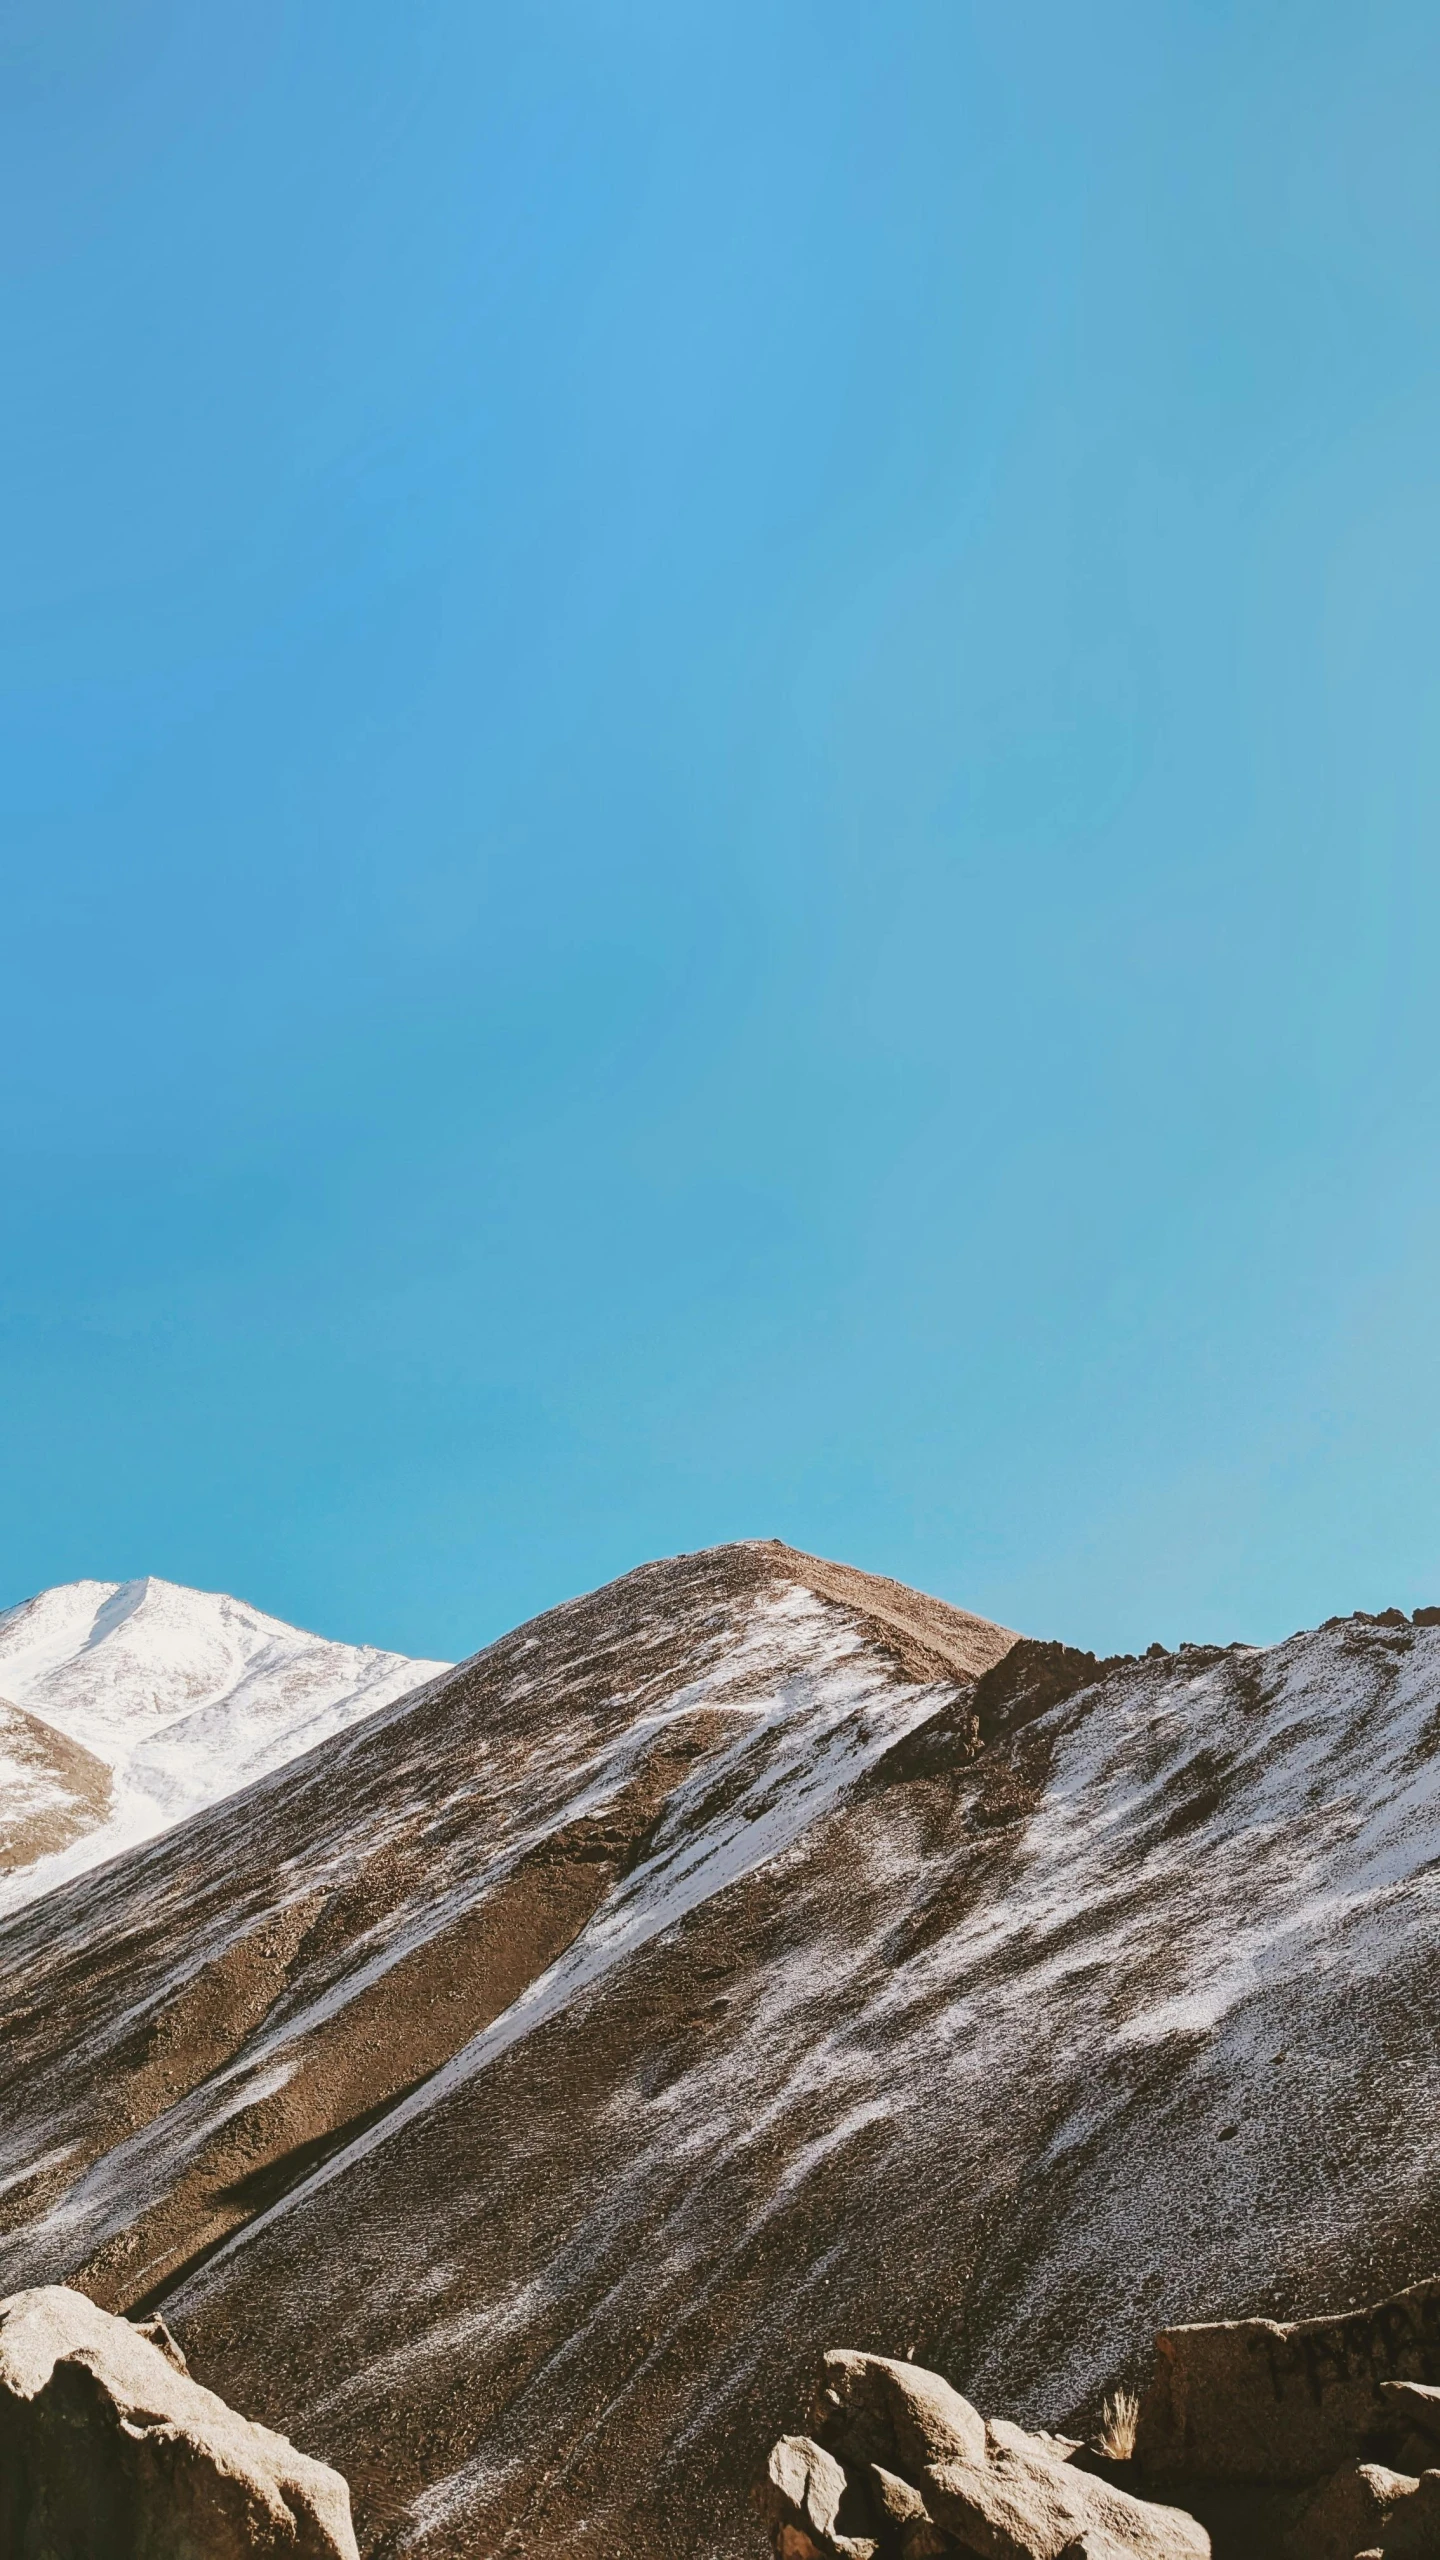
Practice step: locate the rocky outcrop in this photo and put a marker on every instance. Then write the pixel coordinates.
(900, 2467)
(1031, 1677)
(1016, 1690)
(1289, 2440)
(1286, 2400)
(1322, 2437)
(108, 2446)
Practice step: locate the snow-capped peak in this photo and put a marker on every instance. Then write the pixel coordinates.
(183, 1695)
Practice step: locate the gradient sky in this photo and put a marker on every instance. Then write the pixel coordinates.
(720, 773)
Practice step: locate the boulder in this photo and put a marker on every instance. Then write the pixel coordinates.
(800, 2499)
(1415, 2406)
(904, 2521)
(1413, 2532)
(1023, 2503)
(1354, 2512)
(875, 2409)
(108, 2446)
(1283, 2400)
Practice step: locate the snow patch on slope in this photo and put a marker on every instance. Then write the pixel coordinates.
(818, 1709)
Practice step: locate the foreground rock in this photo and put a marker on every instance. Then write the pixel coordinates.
(1366, 2512)
(108, 2446)
(1414, 2408)
(1289, 2400)
(900, 2467)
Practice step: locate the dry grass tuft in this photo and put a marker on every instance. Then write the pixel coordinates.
(1118, 2421)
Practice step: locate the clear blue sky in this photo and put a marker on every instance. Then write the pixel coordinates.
(720, 772)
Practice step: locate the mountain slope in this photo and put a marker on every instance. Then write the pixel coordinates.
(720, 1967)
(142, 1701)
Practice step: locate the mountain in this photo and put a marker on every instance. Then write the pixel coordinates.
(126, 1705)
(509, 2099)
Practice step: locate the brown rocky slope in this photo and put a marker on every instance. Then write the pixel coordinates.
(504, 2099)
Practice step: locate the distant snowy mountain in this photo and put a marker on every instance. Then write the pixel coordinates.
(126, 1705)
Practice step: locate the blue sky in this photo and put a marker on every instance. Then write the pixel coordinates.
(720, 768)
